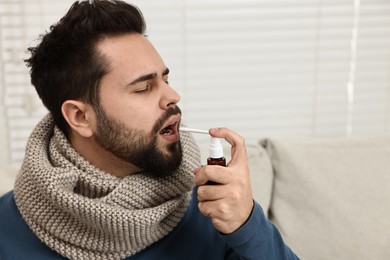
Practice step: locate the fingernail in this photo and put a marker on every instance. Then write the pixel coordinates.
(214, 130)
(197, 170)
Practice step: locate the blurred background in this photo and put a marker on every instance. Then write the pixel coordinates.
(261, 67)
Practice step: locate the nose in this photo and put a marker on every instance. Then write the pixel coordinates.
(169, 97)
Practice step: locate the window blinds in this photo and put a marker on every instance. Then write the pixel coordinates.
(260, 67)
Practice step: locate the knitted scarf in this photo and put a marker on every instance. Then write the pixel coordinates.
(84, 213)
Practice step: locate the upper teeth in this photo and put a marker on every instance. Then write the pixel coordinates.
(167, 130)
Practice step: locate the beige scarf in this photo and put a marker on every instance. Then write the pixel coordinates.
(84, 213)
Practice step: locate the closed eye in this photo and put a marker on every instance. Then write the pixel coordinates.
(144, 89)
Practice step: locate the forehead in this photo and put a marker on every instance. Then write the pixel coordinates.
(130, 53)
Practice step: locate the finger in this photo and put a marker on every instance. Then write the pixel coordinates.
(215, 173)
(235, 140)
(223, 216)
(213, 209)
(205, 208)
(211, 192)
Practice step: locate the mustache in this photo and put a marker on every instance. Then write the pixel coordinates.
(168, 113)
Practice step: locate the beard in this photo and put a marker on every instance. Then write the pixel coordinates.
(138, 147)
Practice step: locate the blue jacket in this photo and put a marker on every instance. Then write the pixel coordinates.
(193, 238)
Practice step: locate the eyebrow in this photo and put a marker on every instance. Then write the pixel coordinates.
(148, 77)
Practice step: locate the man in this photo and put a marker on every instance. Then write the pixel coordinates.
(107, 174)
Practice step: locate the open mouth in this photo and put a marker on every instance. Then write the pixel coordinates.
(169, 130)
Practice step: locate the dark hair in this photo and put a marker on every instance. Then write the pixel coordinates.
(66, 64)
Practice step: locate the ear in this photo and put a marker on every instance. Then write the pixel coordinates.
(80, 117)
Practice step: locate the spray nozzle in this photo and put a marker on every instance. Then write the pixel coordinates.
(215, 148)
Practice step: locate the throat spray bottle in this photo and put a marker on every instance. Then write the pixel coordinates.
(215, 147)
(216, 152)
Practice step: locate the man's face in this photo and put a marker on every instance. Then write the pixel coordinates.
(137, 119)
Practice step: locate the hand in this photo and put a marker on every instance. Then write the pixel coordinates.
(230, 202)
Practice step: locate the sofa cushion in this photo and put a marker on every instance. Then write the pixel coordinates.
(331, 198)
(260, 169)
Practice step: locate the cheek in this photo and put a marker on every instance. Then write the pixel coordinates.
(139, 118)
(135, 113)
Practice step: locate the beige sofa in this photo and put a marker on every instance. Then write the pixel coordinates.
(329, 198)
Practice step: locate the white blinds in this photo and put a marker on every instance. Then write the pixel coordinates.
(20, 24)
(279, 67)
(261, 67)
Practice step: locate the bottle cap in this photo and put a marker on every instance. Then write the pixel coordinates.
(215, 148)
